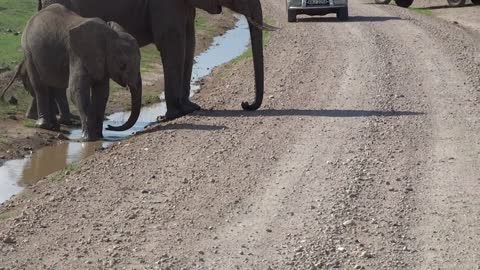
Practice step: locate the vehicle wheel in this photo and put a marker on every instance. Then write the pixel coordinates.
(476, 2)
(456, 3)
(292, 16)
(342, 14)
(404, 3)
(383, 2)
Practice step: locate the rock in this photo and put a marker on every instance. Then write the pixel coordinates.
(61, 136)
(357, 266)
(9, 240)
(348, 223)
(13, 101)
(4, 68)
(341, 249)
(365, 254)
(269, 230)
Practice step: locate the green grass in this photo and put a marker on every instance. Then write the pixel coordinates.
(14, 14)
(3, 139)
(59, 176)
(29, 123)
(7, 215)
(202, 24)
(422, 11)
(150, 99)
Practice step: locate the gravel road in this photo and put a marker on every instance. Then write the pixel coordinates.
(365, 155)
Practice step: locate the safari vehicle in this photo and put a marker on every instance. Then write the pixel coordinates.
(317, 7)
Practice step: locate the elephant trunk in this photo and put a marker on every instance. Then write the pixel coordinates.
(136, 94)
(256, 36)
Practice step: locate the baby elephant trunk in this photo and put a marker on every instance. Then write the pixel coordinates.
(136, 94)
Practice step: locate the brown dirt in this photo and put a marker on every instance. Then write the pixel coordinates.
(17, 140)
(364, 156)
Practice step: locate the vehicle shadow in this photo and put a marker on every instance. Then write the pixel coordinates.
(443, 7)
(350, 19)
(312, 113)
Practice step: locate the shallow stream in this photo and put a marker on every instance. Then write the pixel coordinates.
(17, 174)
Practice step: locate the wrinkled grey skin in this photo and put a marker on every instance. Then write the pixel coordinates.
(170, 25)
(59, 96)
(63, 50)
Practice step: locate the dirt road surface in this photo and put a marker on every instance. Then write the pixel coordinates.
(365, 155)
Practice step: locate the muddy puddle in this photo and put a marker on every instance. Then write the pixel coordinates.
(17, 174)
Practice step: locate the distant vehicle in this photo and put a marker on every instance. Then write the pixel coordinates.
(407, 3)
(317, 7)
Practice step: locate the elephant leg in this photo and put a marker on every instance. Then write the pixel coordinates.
(187, 105)
(79, 88)
(46, 119)
(172, 49)
(32, 112)
(53, 107)
(100, 93)
(62, 106)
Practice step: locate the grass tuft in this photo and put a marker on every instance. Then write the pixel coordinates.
(59, 176)
(422, 11)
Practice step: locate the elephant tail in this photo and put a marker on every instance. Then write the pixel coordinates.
(17, 73)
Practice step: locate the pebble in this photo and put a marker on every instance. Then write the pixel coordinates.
(365, 254)
(62, 137)
(9, 240)
(348, 223)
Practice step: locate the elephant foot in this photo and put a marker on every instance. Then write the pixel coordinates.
(65, 121)
(189, 107)
(173, 114)
(90, 138)
(31, 115)
(44, 124)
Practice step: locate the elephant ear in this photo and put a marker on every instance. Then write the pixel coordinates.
(88, 41)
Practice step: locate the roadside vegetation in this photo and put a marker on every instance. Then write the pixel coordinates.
(422, 11)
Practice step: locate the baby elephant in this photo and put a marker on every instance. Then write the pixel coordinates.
(63, 50)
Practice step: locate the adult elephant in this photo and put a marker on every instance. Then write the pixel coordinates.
(170, 25)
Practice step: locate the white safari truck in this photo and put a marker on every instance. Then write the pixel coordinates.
(317, 7)
(407, 3)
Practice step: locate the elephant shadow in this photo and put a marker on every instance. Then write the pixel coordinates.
(340, 113)
(444, 7)
(160, 126)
